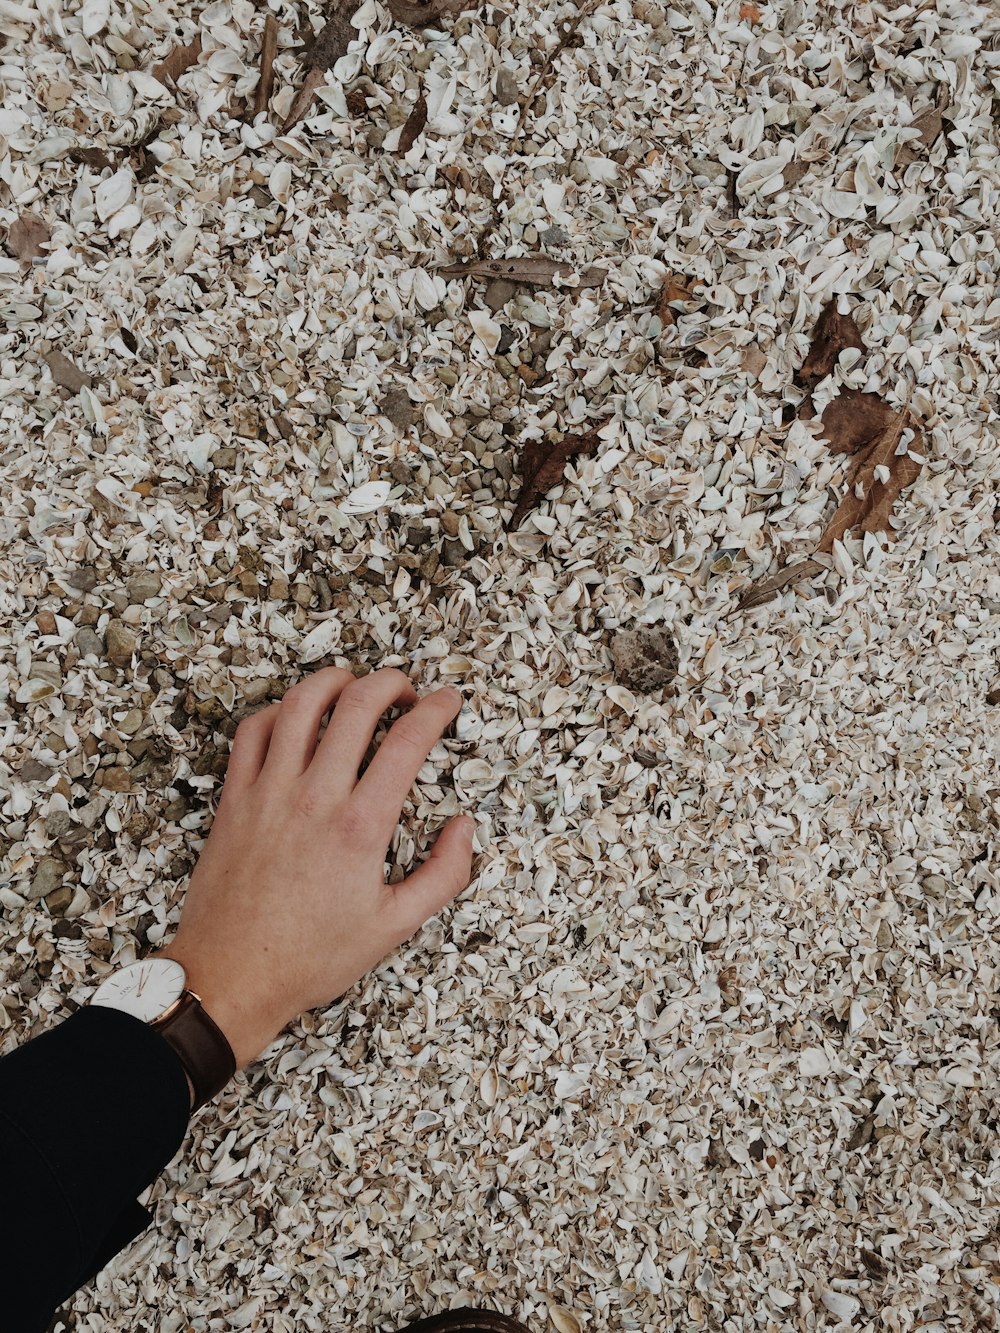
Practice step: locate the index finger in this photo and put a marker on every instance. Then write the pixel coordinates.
(389, 777)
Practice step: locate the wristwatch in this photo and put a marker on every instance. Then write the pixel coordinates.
(154, 990)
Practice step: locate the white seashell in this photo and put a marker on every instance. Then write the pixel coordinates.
(92, 410)
(319, 641)
(33, 690)
(114, 193)
(814, 1062)
(487, 330)
(839, 1303)
(563, 1321)
(280, 181)
(488, 1086)
(426, 291)
(476, 771)
(126, 219)
(367, 498)
(94, 16)
(137, 128)
(437, 422)
(455, 666)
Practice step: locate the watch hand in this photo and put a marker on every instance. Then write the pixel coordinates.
(143, 976)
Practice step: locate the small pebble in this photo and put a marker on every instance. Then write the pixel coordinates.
(46, 622)
(46, 879)
(58, 823)
(144, 587)
(121, 644)
(507, 87)
(83, 579)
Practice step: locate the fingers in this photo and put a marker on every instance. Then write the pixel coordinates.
(345, 743)
(293, 738)
(444, 874)
(249, 748)
(398, 760)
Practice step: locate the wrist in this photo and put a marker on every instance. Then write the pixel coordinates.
(221, 1004)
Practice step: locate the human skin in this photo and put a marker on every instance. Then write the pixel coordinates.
(288, 905)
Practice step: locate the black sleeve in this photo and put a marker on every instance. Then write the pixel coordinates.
(90, 1113)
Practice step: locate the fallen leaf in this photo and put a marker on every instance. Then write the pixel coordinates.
(542, 465)
(765, 591)
(674, 289)
(853, 419)
(332, 42)
(65, 373)
(929, 123)
(414, 126)
(533, 269)
(750, 11)
(872, 509)
(181, 58)
(91, 157)
(423, 16)
(27, 235)
(268, 50)
(834, 333)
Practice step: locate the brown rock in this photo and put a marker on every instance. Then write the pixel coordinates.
(46, 622)
(117, 778)
(59, 900)
(120, 645)
(644, 659)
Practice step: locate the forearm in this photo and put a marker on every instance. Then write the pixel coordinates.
(90, 1113)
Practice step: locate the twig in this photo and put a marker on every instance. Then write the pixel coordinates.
(324, 53)
(268, 50)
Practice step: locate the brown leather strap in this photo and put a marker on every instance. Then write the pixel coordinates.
(203, 1049)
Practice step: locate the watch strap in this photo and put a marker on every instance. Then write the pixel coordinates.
(203, 1049)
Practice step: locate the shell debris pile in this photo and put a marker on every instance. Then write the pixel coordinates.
(711, 1041)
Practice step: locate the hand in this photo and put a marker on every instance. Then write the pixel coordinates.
(288, 906)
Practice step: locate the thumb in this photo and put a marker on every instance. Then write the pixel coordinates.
(444, 874)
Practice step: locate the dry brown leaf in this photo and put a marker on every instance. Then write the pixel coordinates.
(765, 591)
(750, 11)
(533, 269)
(834, 333)
(268, 50)
(675, 288)
(326, 50)
(542, 465)
(91, 157)
(871, 511)
(181, 58)
(423, 16)
(27, 236)
(853, 419)
(414, 126)
(65, 373)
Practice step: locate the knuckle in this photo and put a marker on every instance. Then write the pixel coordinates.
(354, 823)
(409, 734)
(307, 802)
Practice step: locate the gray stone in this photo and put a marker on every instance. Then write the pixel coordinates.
(47, 878)
(119, 599)
(498, 293)
(89, 642)
(121, 644)
(453, 554)
(32, 770)
(83, 579)
(554, 236)
(644, 659)
(143, 587)
(507, 90)
(131, 722)
(397, 407)
(58, 823)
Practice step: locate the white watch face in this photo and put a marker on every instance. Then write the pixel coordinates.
(146, 989)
